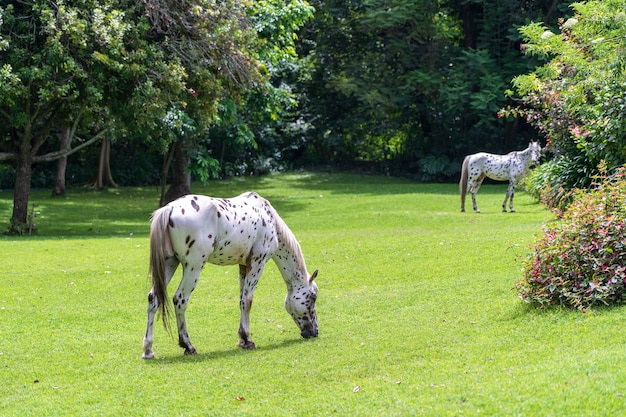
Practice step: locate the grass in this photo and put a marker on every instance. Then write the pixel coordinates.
(417, 313)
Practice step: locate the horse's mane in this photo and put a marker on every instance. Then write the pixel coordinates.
(288, 238)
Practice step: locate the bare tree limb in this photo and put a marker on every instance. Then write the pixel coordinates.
(65, 152)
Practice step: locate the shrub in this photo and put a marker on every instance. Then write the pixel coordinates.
(580, 261)
(552, 182)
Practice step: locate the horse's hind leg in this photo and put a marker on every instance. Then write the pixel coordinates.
(170, 267)
(181, 302)
(474, 202)
(474, 189)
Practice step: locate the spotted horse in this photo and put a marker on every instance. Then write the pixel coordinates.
(510, 167)
(244, 231)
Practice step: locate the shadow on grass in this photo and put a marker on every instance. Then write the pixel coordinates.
(235, 351)
(382, 185)
(126, 212)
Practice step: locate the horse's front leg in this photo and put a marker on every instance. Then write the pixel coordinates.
(181, 302)
(510, 192)
(248, 279)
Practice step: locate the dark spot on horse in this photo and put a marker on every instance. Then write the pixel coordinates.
(187, 240)
(171, 223)
(210, 236)
(191, 243)
(195, 205)
(183, 211)
(219, 214)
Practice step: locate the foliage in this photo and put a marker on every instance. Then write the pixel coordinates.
(434, 79)
(577, 98)
(251, 133)
(553, 181)
(579, 262)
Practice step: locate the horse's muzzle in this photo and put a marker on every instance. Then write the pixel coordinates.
(308, 333)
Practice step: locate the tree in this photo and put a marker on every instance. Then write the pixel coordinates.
(47, 82)
(121, 65)
(214, 44)
(255, 132)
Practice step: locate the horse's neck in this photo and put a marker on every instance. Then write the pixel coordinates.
(289, 259)
(524, 155)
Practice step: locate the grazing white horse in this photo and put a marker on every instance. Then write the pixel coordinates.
(511, 167)
(244, 231)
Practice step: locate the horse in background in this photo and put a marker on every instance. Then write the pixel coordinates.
(510, 167)
(244, 231)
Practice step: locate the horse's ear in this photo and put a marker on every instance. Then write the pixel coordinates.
(313, 276)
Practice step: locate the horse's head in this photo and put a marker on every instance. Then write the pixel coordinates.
(300, 304)
(535, 151)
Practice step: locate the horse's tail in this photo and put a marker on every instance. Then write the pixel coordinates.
(160, 250)
(463, 182)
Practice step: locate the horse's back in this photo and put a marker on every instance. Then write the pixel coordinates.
(223, 231)
(496, 167)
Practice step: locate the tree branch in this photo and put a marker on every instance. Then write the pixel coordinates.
(64, 152)
(7, 156)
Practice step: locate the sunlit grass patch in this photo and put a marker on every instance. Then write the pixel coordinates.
(417, 312)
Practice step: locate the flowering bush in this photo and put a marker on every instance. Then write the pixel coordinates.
(581, 260)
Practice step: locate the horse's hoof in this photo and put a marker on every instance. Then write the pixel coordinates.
(147, 355)
(512, 210)
(462, 210)
(191, 351)
(249, 345)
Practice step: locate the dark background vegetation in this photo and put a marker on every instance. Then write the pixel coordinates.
(404, 88)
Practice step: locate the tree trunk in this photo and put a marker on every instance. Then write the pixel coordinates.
(106, 168)
(21, 193)
(181, 181)
(103, 175)
(59, 183)
(471, 14)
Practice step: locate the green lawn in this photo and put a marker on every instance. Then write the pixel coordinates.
(417, 312)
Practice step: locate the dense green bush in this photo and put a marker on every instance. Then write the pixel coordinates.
(581, 260)
(552, 182)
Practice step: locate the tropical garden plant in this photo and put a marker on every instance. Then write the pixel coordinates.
(580, 261)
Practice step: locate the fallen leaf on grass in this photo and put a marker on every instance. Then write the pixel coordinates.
(356, 389)
(239, 398)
